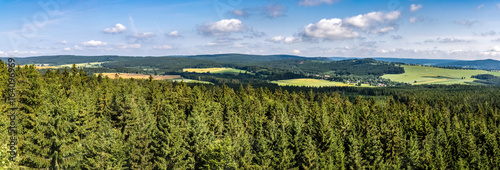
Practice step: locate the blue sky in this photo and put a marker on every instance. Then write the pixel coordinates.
(329, 28)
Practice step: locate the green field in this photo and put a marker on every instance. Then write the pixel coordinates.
(215, 70)
(433, 75)
(308, 82)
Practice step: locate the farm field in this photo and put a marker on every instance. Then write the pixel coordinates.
(141, 76)
(308, 82)
(216, 70)
(433, 75)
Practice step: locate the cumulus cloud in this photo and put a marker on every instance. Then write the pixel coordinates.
(316, 2)
(131, 46)
(292, 40)
(222, 27)
(64, 42)
(467, 23)
(76, 47)
(296, 51)
(143, 35)
(163, 47)
(335, 28)
(276, 39)
(492, 52)
(274, 10)
(372, 19)
(173, 34)
(329, 29)
(385, 30)
(497, 40)
(415, 7)
(118, 28)
(67, 49)
(93, 43)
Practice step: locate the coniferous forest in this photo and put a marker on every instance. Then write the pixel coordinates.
(70, 120)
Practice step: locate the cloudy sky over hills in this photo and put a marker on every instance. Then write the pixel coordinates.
(344, 28)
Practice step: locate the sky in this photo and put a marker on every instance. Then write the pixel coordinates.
(445, 29)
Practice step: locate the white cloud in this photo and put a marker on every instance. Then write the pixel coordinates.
(93, 43)
(64, 42)
(291, 40)
(1, 52)
(76, 47)
(67, 49)
(496, 49)
(222, 27)
(330, 29)
(174, 34)
(386, 29)
(143, 35)
(276, 39)
(498, 5)
(211, 44)
(296, 51)
(163, 47)
(131, 46)
(118, 28)
(492, 52)
(372, 19)
(315, 2)
(415, 8)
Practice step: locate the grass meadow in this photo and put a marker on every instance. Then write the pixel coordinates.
(432, 75)
(308, 82)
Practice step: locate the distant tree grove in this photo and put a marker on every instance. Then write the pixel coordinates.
(69, 120)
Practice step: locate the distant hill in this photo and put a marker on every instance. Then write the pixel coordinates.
(488, 64)
(430, 62)
(66, 59)
(225, 59)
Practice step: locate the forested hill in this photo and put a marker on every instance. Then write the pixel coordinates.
(220, 58)
(245, 59)
(477, 64)
(67, 59)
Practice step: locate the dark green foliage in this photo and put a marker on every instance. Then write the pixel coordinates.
(69, 120)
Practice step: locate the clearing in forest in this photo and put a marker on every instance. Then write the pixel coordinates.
(308, 82)
(216, 70)
(141, 76)
(433, 75)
